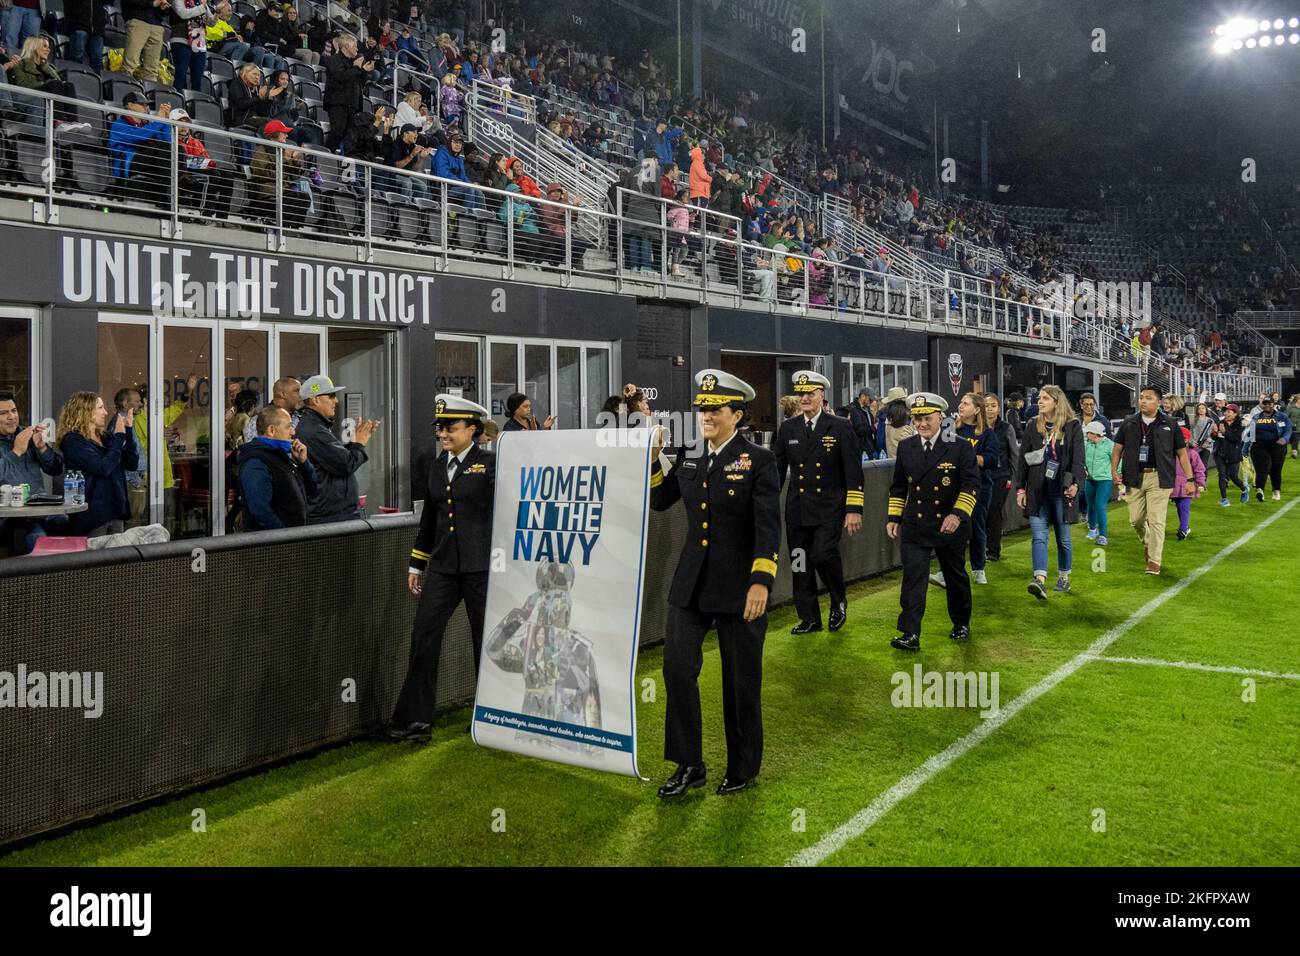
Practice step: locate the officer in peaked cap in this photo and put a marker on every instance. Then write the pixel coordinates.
(824, 498)
(936, 481)
(451, 555)
(732, 496)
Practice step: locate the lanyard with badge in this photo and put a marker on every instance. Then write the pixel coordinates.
(1144, 450)
(1053, 464)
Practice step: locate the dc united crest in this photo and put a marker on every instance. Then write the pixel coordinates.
(708, 383)
(955, 365)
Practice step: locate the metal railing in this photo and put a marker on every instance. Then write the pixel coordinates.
(426, 83)
(1256, 320)
(286, 191)
(492, 98)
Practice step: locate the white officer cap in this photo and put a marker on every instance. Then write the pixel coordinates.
(1220, 397)
(453, 408)
(925, 403)
(809, 381)
(716, 388)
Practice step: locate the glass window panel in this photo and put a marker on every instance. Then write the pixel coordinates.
(358, 360)
(124, 379)
(905, 377)
(186, 431)
(876, 379)
(299, 354)
(455, 366)
(597, 383)
(503, 359)
(246, 391)
(16, 364)
(537, 380)
(568, 387)
(887, 381)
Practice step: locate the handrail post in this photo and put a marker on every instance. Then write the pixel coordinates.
(50, 171)
(370, 222)
(279, 197)
(510, 237)
(619, 263)
(174, 184)
(444, 223)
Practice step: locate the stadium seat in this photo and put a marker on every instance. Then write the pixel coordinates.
(118, 86)
(204, 110)
(91, 169)
(310, 92)
(310, 133)
(220, 68)
(165, 94)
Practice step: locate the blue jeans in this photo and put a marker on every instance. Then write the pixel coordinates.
(268, 60)
(188, 65)
(234, 50)
(1097, 494)
(412, 187)
(979, 521)
(639, 253)
(469, 198)
(17, 24)
(1051, 513)
(84, 43)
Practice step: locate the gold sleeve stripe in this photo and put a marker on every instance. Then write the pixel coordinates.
(422, 555)
(965, 507)
(895, 507)
(966, 496)
(854, 496)
(656, 479)
(763, 565)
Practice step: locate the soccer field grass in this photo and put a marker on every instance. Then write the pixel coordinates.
(1179, 767)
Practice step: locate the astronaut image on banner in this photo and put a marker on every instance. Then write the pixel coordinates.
(555, 661)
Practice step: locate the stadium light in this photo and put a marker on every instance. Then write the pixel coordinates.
(1237, 32)
(1265, 41)
(1293, 38)
(1293, 22)
(1223, 45)
(1263, 24)
(1278, 24)
(1250, 44)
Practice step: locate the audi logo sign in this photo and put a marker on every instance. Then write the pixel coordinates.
(650, 392)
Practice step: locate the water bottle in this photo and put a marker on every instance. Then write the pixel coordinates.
(76, 488)
(81, 488)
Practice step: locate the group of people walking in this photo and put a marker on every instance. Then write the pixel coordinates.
(950, 480)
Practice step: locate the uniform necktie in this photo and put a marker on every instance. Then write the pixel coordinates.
(451, 468)
(712, 457)
(927, 446)
(807, 427)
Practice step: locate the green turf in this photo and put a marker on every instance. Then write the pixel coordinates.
(1186, 772)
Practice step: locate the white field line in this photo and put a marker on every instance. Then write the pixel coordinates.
(1193, 666)
(867, 817)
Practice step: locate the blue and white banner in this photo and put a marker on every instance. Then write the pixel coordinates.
(564, 597)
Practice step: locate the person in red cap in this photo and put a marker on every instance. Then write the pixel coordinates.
(263, 186)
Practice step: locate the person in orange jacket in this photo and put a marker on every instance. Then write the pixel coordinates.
(701, 181)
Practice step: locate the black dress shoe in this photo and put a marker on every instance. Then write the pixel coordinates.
(994, 557)
(807, 627)
(686, 778)
(417, 732)
(838, 616)
(907, 642)
(732, 785)
(960, 633)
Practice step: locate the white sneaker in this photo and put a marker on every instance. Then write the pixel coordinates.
(63, 129)
(937, 578)
(1277, 496)
(979, 577)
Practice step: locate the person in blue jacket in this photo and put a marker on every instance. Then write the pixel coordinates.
(104, 453)
(449, 163)
(665, 142)
(138, 144)
(1268, 453)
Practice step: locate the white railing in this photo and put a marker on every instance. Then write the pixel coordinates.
(497, 99)
(368, 206)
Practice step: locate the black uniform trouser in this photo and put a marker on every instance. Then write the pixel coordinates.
(442, 592)
(1228, 472)
(997, 504)
(916, 581)
(821, 556)
(740, 643)
(1268, 459)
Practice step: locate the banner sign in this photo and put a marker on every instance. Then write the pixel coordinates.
(556, 679)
